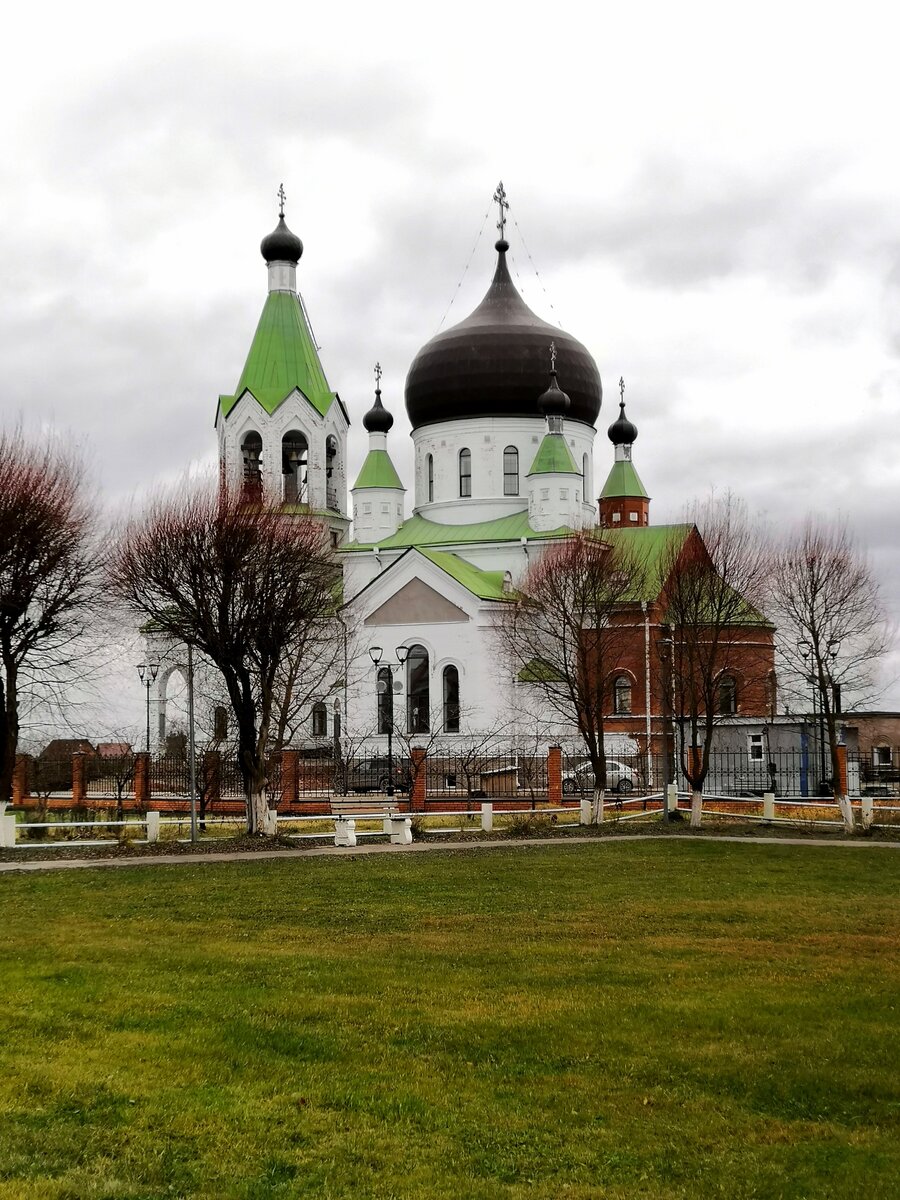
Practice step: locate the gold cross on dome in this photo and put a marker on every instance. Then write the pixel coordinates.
(553, 356)
(500, 198)
(621, 389)
(281, 199)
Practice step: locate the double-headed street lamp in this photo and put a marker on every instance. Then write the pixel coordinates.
(387, 686)
(820, 679)
(148, 673)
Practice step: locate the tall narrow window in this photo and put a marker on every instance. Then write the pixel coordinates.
(294, 461)
(331, 473)
(510, 471)
(621, 695)
(727, 695)
(251, 452)
(451, 700)
(417, 697)
(465, 472)
(429, 471)
(319, 720)
(385, 700)
(585, 478)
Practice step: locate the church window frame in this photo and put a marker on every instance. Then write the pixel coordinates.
(727, 695)
(418, 687)
(510, 471)
(450, 698)
(320, 719)
(385, 701)
(251, 457)
(465, 473)
(294, 467)
(332, 472)
(585, 476)
(429, 477)
(621, 695)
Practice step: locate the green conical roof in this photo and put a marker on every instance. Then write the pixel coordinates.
(554, 457)
(378, 472)
(623, 480)
(282, 357)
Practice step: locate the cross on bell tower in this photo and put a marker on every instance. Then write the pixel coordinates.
(281, 199)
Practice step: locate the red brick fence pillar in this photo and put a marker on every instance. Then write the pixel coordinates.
(290, 777)
(20, 780)
(79, 787)
(142, 779)
(554, 775)
(419, 767)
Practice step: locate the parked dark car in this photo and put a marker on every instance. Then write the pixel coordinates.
(372, 775)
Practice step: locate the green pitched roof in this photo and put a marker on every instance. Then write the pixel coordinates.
(623, 480)
(487, 585)
(553, 457)
(282, 357)
(378, 472)
(652, 544)
(418, 531)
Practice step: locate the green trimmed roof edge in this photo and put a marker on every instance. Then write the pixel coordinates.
(623, 480)
(553, 457)
(378, 472)
(282, 357)
(486, 585)
(418, 531)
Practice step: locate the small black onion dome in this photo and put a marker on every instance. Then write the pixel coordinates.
(281, 245)
(494, 363)
(622, 432)
(377, 419)
(554, 401)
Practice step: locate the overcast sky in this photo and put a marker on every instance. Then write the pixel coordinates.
(709, 194)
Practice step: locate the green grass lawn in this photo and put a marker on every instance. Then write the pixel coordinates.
(611, 1020)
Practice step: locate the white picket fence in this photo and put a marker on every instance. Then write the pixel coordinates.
(345, 830)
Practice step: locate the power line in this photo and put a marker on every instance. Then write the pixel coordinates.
(465, 270)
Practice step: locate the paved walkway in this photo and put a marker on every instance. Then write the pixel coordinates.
(178, 860)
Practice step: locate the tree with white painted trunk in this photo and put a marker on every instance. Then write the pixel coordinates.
(832, 624)
(565, 628)
(247, 585)
(712, 603)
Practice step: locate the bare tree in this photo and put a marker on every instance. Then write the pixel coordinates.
(566, 628)
(713, 591)
(48, 572)
(832, 624)
(243, 583)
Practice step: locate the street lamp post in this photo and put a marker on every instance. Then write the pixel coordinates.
(148, 673)
(820, 679)
(375, 653)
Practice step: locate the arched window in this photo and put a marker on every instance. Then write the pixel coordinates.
(621, 695)
(465, 472)
(585, 477)
(451, 700)
(417, 696)
(385, 701)
(429, 472)
(727, 698)
(294, 462)
(320, 719)
(331, 473)
(510, 471)
(251, 452)
(220, 723)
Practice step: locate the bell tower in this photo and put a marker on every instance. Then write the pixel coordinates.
(624, 502)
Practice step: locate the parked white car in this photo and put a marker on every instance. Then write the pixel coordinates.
(619, 778)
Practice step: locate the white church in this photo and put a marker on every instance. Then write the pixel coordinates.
(503, 408)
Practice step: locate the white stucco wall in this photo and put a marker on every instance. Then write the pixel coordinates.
(486, 438)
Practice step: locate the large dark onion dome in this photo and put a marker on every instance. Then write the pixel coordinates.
(494, 363)
(622, 432)
(377, 419)
(281, 245)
